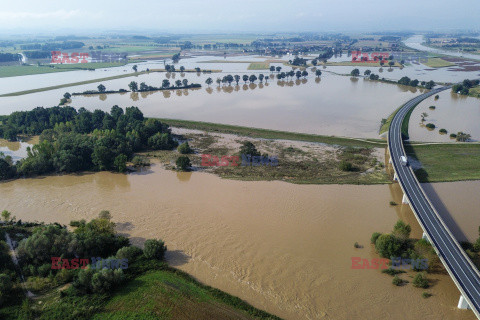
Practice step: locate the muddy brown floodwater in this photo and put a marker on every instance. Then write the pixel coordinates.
(282, 247)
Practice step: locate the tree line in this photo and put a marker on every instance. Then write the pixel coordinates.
(72, 141)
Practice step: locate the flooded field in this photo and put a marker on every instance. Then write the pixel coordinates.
(452, 112)
(332, 105)
(284, 248)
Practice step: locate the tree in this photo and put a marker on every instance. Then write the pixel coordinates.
(154, 249)
(278, 69)
(178, 83)
(367, 72)
(143, 86)
(133, 86)
(237, 78)
(424, 115)
(218, 81)
(245, 78)
(355, 72)
(314, 62)
(184, 148)
(401, 230)
(391, 63)
(6, 286)
(318, 73)
(120, 162)
(134, 68)
(105, 214)
(420, 281)
(463, 137)
(249, 149)
(101, 88)
(304, 73)
(182, 69)
(209, 81)
(185, 82)
(183, 163)
(67, 95)
(261, 77)
(165, 83)
(388, 246)
(272, 68)
(6, 215)
(298, 74)
(252, 78)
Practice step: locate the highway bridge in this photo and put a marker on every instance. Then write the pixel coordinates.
(463, 272)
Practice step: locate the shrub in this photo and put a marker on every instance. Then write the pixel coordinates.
(44, 270)
(357, 245)
(426, 295)
(5, 287)
(129, 253)
(345, 166)
(420, 281)
(388, 246)
(430, 126)
(397, 281)
(248, 148)
(401, 230)
(392, 272)
(105, 214)
(120, 162)
(453, 135)
(154, 249)
(374, 237)
(437, 97)
(443, 131)
(393, 203)
(432, 107)
(184, 148)
(183, 163)
(139, 161)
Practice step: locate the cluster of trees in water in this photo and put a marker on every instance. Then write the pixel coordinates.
(39, 243)
(73, 141)
(464, 87)
(406, 81)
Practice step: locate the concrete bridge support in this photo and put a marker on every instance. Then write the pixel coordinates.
(462, 303)
(405, 199)
(425, 237)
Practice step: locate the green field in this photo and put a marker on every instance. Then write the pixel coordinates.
(274, 134)
(446, 162)
(438, 63)
(259, 66)
(174, 295)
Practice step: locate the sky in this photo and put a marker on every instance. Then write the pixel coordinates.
(224, 16)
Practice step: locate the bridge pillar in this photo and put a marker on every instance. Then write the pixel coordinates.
(390, 160)
(424, 236)
(395, 177)
(462, 303)
(405, 199)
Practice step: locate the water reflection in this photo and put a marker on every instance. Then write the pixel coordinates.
(102, 97)
(134, 96)
(184, 176)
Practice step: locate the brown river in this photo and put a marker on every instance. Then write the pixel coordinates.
(282, 247)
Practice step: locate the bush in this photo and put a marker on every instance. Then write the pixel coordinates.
(432, 107)
(154, 249)
(420, 281)
(388, 246)
(139, 161)
(453, 135)
(6, 286)
(120, 162)
(357, 245)
(397, 281)
(374, 237)
(249, 149)
(129, 253)
(392, 272)
(393, 203)
(345, 166)
(183, 163)
(430, 126)
(184, 148)
(437, 97)
(426, 295)
(443, 131)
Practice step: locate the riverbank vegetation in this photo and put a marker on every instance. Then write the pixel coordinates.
(467, 88)
(72, 141)
(127, 282)
(412, 255)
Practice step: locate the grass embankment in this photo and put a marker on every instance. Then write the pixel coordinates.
(446, 162)
(24, 70)
(72, 84)
(386, 125)
(172, 294)
(274, 134)
(259, 66)
(438, 63)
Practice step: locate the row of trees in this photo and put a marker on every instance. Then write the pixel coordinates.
(464, 87)
(87, 141)
(165, 85)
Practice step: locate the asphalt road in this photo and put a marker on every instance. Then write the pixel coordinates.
(465, 275)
